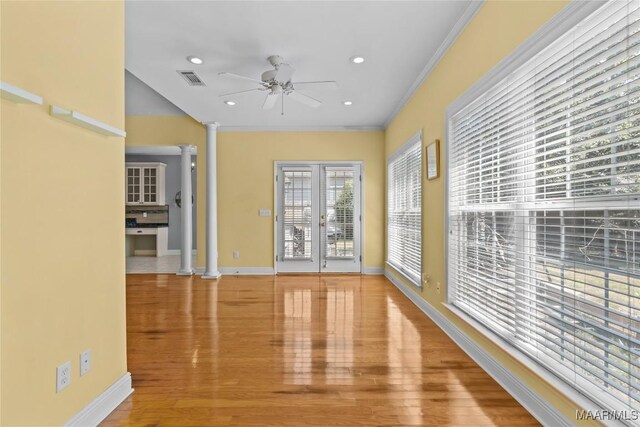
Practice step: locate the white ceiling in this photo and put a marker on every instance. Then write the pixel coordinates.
(397, 38)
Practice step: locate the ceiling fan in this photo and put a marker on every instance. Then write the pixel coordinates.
(277, 83)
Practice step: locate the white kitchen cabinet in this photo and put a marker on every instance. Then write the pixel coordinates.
(145, 183)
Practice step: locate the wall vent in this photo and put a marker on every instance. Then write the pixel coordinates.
(192, 78)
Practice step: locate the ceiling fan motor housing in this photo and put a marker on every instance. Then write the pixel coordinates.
(275, 60)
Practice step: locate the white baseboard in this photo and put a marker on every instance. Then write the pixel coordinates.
(241, 271)
(96, 411)
(538, 406)
(179, 252)
(373, 270)
(199, 270)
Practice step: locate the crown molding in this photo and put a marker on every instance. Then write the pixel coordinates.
(456, 30)
(300, 128)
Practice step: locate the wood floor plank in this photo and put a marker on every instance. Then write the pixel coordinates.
(296, 350)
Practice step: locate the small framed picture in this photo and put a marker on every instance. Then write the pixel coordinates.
(433, 160)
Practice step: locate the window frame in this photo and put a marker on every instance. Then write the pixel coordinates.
(410, 143)
(564, 21)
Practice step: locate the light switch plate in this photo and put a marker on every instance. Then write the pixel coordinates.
(85, 362)
(265, 212)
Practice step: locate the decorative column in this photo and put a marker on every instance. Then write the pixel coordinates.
(186, 216)
(211, 271)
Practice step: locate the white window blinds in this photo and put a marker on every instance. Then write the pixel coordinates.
(404, 210)
(544, 207)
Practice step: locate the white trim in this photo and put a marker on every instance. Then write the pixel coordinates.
(401, 273)
(301, 128)
(179, 252)
(533, 402)
(18, 95)
(96, 411)
(157, 150)
(455, 31)
(373, 271)
(241, 271)
(415, 138)
(86, 122)
(199, 270)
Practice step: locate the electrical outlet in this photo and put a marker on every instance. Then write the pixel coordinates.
(85, 362)
(426, 280)
(63, 376)
(236, 254)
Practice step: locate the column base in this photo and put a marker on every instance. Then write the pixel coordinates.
(211, 275)
(184, 273)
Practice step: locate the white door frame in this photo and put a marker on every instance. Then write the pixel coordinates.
(278, 163)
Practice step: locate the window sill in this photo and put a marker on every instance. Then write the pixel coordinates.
(409, 279)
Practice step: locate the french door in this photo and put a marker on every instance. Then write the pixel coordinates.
(318, 218)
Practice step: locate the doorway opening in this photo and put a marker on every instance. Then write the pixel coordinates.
(152, 209)
(318, 222)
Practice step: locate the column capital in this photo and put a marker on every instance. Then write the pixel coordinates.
(186, 147)
(214, 125)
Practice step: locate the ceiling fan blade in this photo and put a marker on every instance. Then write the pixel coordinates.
(284, 73)
(238, 76)
(270, 101)
(305, 99)
(241, 91)
(324, 84)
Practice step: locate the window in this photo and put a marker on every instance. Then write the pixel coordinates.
(404, 210)
(544, 207)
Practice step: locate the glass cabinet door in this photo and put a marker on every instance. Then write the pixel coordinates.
(133, 185)
(150, 185)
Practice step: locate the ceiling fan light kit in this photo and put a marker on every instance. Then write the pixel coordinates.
(277, 83)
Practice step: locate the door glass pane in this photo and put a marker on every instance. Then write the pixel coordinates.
(297, 214)
(339, 222)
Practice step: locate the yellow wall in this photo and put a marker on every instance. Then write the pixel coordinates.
(175, 130)
(245, 180)
(62, 277)
(497, 29)
(245, 185)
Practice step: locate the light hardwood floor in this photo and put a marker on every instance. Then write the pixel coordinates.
(297, 350)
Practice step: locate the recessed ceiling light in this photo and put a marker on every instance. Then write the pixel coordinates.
(232, 103)
(357, 59)
(194, 60)
(347, 102)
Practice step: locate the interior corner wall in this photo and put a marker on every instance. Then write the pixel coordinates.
(62, 198)
(497, 29)
(172, 131)
(246, 184)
